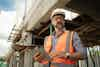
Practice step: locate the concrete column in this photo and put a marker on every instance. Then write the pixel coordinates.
(17, 59)
(27, 37)
(21, 61)
(12, 62)
(28, 59)
(37, 64)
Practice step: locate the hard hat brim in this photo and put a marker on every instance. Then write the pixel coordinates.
(59, 14)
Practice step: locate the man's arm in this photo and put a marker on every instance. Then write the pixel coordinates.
(80, 51)
(39, 55)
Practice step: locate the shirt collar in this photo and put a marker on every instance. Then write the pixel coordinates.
(53, 34)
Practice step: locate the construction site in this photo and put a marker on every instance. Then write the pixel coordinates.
(84, 18)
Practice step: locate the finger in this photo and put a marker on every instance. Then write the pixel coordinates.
(37, 58)
(37, 54)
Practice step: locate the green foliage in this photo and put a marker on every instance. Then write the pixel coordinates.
(2, 59)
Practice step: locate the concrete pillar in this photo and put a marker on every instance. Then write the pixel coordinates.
(17, 59)
(37, 64)
(27, 37)
(13, 62)
(28, 58)
(21, 61)
(10, 63)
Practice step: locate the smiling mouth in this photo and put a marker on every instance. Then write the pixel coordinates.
(60, 23)
(57, 25)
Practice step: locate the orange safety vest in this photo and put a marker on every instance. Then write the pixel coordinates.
(60, 46)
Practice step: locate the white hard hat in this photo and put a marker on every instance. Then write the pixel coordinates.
(58, 11)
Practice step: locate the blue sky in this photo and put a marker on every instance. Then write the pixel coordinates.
(7, 5)
(9, 11)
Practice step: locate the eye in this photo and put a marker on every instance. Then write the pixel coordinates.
(58, 17)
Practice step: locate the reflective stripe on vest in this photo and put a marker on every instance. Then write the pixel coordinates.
(60, 47)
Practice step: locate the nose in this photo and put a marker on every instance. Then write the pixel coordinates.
(58, 19)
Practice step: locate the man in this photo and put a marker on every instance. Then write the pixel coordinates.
(64, 47)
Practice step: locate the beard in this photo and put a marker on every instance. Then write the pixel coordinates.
(59, 25)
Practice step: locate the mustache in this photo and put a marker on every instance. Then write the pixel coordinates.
(56, 25)
(59, 23)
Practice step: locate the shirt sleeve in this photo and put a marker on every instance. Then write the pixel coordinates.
(77, 43)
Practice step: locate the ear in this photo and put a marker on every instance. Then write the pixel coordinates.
(52, 23)
(64, 21)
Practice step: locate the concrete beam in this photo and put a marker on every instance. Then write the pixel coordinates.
(43, 11)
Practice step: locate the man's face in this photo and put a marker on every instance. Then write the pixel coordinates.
(58, 21)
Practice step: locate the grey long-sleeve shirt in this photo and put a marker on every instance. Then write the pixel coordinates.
(78, 45)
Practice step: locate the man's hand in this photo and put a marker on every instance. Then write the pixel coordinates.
(58, 54)
(38, 57)
(53, 54)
